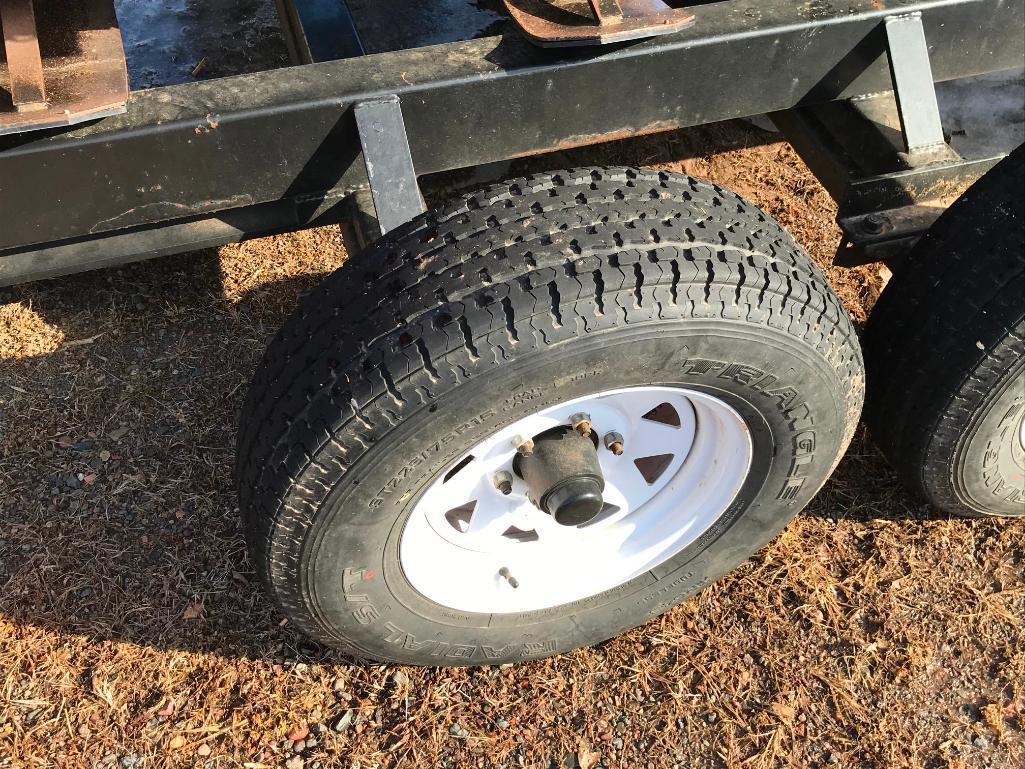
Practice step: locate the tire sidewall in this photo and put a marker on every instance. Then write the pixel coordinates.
(786, 393)
(986, 472)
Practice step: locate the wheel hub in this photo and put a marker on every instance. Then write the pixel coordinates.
(563, 476)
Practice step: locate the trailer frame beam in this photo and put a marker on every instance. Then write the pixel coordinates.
(289, 137)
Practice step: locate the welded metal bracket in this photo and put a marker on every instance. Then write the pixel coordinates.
(24, 61)
(63, 63)
(913, 84)
(561, 23)
(382, 132)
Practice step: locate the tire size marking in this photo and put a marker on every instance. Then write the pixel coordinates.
(436, 648)
(417, 459)
(788, 400)
(673, 587)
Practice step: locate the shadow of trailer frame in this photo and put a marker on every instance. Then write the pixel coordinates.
(219, 161)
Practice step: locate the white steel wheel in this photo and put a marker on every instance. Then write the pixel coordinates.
(470, 547)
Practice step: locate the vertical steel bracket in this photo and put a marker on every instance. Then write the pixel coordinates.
(24, 61)
(382, 132)
(913, 84)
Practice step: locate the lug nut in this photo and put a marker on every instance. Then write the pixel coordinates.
(614, 443)
(507, 575)
(523, 445)
(503, 482)
(581, 423)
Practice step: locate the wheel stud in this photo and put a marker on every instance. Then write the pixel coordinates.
(503, 482)
(524, 445)
(581, 423)
(507, 575)
(614, 443)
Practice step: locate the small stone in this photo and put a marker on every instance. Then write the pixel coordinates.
(301, 667)
(299, 733)
(311, 742)
(72, 482)
(104, 456)
(981, 742)
(618, 743)
(344, 721)
(502, 723)
(400, 678)
(339, 685)
(287, 745)
(299, 746)
(203, 750)
(176, 743)
(454, 729)
(85, 445)
(295, 762)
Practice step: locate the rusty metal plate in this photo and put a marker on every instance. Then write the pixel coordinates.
(83, 64)
(558, 23)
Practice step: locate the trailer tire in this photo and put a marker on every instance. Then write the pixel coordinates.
(945, 353)
(503, 306)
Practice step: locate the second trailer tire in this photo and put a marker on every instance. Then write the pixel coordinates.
(945, 349)
(381, 429)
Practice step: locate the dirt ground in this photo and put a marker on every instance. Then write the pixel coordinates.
(873, 632)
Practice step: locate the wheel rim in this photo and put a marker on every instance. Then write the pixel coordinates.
(471, 548)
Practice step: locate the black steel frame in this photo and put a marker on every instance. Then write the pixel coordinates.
(218, 161)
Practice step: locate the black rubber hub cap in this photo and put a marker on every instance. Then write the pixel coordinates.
(563, 476)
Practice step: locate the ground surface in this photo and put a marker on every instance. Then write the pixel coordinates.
(872, 632)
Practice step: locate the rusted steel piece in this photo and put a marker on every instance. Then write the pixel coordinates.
(558, 23)
(81, 63)
(24, 62)
(607, 10)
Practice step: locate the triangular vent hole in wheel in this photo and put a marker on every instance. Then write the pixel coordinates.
(463, 463)
(520, 535)
(653, 467)
(459, 517)
(665, 414)
(606, 512)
